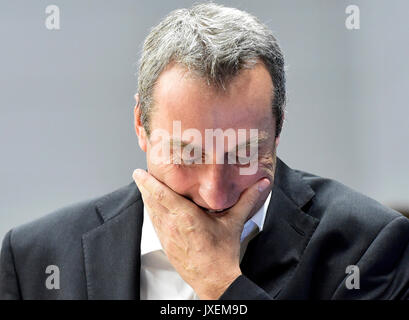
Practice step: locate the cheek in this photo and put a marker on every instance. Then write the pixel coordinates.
(179, 180)
(266, 169)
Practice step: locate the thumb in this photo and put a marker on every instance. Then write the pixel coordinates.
(243, 209)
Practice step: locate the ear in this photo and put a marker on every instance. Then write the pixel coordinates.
(139, 129)
(277, 140)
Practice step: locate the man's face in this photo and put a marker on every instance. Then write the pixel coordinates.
(245, 105)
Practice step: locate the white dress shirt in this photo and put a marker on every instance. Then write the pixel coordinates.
(159, 280)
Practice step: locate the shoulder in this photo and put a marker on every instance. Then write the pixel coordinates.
(347, 214)
(336, 199)
(56, 239)
(354, 229)
(67, 224)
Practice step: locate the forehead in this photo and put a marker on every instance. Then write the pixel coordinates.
(246, 102)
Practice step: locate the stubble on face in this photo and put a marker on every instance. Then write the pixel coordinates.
(267, 163)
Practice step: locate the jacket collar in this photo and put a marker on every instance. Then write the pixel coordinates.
(273, 255)
(112, 250)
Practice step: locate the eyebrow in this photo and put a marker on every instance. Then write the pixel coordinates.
(261, 138)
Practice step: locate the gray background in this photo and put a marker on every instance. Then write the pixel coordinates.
(66, 126)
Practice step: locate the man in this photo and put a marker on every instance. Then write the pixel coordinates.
(209, 221)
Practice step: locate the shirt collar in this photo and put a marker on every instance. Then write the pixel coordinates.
(150, 241)
(260, 215)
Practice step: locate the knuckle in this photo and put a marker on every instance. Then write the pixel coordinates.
(156, 221)
(159, 194)
(147, 198)
(188, 222)
(253, 196)
(173, 231)
(180, 209)
(253, 199)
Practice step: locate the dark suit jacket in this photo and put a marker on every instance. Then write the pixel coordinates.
(314, 229)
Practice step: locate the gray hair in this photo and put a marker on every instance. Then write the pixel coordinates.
(214, 42)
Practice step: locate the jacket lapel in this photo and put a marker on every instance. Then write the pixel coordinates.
(273, 255)
(112, 250)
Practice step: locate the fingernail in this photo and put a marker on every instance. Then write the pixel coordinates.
(263, 185)
(137, 173)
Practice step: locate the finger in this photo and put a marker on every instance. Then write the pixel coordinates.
(145, 194)
(166, 228)
(155, 211)
(243, 209)
(162, 193)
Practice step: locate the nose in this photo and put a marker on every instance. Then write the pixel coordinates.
(216, 188)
